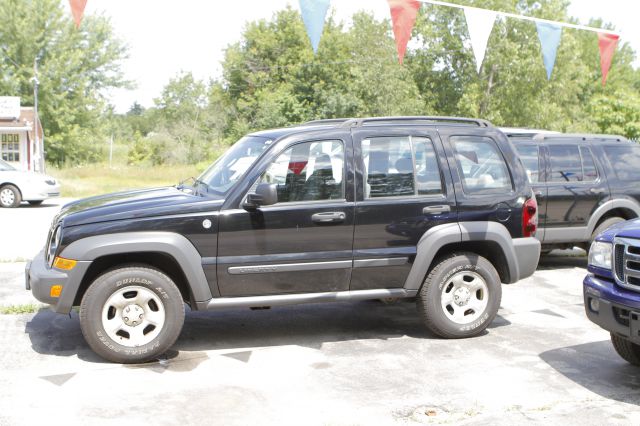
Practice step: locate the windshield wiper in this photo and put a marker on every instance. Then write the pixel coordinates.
(197, 183)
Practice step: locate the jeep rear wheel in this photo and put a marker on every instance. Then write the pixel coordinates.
(461, 296)
(131, 314)
(628, 350)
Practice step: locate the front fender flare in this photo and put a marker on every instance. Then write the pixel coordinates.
(172, 244)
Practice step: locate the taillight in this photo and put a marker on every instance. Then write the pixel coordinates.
(530, 217)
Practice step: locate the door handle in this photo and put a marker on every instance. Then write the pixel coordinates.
(436, 209)
(328, 217)
(596, 190)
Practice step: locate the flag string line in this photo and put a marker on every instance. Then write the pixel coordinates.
(524, 17)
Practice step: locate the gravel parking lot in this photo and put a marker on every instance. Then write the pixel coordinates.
(541, 361)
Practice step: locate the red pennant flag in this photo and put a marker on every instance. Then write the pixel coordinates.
(77, 9)
(403, 16)
(607, 44)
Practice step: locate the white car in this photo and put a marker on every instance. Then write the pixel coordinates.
(17, 186)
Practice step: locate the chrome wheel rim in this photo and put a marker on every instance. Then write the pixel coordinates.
(7, 197)
(464, 297)
(133, 316)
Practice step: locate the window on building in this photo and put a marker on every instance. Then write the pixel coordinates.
(309, 171)
(399, 166)
(10, 147)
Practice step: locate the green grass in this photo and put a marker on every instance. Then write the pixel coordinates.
(29, 308)
(96, 179)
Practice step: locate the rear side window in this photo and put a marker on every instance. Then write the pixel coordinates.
(589, 171)
(531, 161)
(625, 161)
(481, 165)
(565, 163)
(398, 166)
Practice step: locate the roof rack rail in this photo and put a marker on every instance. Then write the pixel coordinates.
(583, 136)
(359, 122)
(326, 121)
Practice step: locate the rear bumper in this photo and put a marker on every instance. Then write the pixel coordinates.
(527, 253)
(618, 309)
(39, 278)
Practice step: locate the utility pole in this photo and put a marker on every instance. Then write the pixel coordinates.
(39, 146)
(111, 152)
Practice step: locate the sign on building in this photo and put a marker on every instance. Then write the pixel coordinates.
(9, 107)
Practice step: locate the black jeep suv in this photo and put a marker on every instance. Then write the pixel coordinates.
(333, 210)
(583, 183)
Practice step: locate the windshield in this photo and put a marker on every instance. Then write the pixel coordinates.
(5, 167)
(232, 165)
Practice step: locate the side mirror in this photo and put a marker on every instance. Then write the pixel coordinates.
(266, 194)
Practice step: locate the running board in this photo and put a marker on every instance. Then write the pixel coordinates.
(295, 299)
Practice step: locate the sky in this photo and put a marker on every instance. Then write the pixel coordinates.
(167, 37)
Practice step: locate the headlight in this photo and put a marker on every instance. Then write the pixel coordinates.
(52, 245)
(600, 254)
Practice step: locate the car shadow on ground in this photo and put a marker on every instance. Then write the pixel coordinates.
(597, 367)
(308, 326)
(565, 259)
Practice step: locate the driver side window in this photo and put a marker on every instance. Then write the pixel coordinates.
(309, 171)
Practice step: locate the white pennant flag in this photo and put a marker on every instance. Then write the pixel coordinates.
(480, 23)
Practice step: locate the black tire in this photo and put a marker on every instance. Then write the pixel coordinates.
(35, 203)
(10, 196)
(429, 301)
(606, 224)
(629, 351)
(135, 283)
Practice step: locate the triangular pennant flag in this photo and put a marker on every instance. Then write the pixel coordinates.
(403, 16)
(313, 14)
(480, 23)
(549, 35)
(77, 9)
(607, 44)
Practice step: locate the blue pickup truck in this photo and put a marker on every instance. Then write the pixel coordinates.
(612, 287)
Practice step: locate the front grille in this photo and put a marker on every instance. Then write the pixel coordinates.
(626, 262)
(621, 316)
(619, 261)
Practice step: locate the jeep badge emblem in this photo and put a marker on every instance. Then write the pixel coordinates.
(206, 224)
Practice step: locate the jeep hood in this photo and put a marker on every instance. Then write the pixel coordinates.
(136, 204)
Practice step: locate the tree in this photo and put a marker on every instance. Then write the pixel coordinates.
(76, 68)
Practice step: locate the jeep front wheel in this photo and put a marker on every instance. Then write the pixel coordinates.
(131, 314)
(461, 296)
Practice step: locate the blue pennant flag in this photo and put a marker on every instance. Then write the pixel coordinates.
(549, 35)
(313, 14)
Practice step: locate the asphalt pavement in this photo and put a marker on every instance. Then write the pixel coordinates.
(540, 362)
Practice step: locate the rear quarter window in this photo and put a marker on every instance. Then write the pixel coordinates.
(625, 161)
(481, 165)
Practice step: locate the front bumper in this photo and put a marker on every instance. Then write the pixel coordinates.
(39, 278)
(618, 311)
(40, 192)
